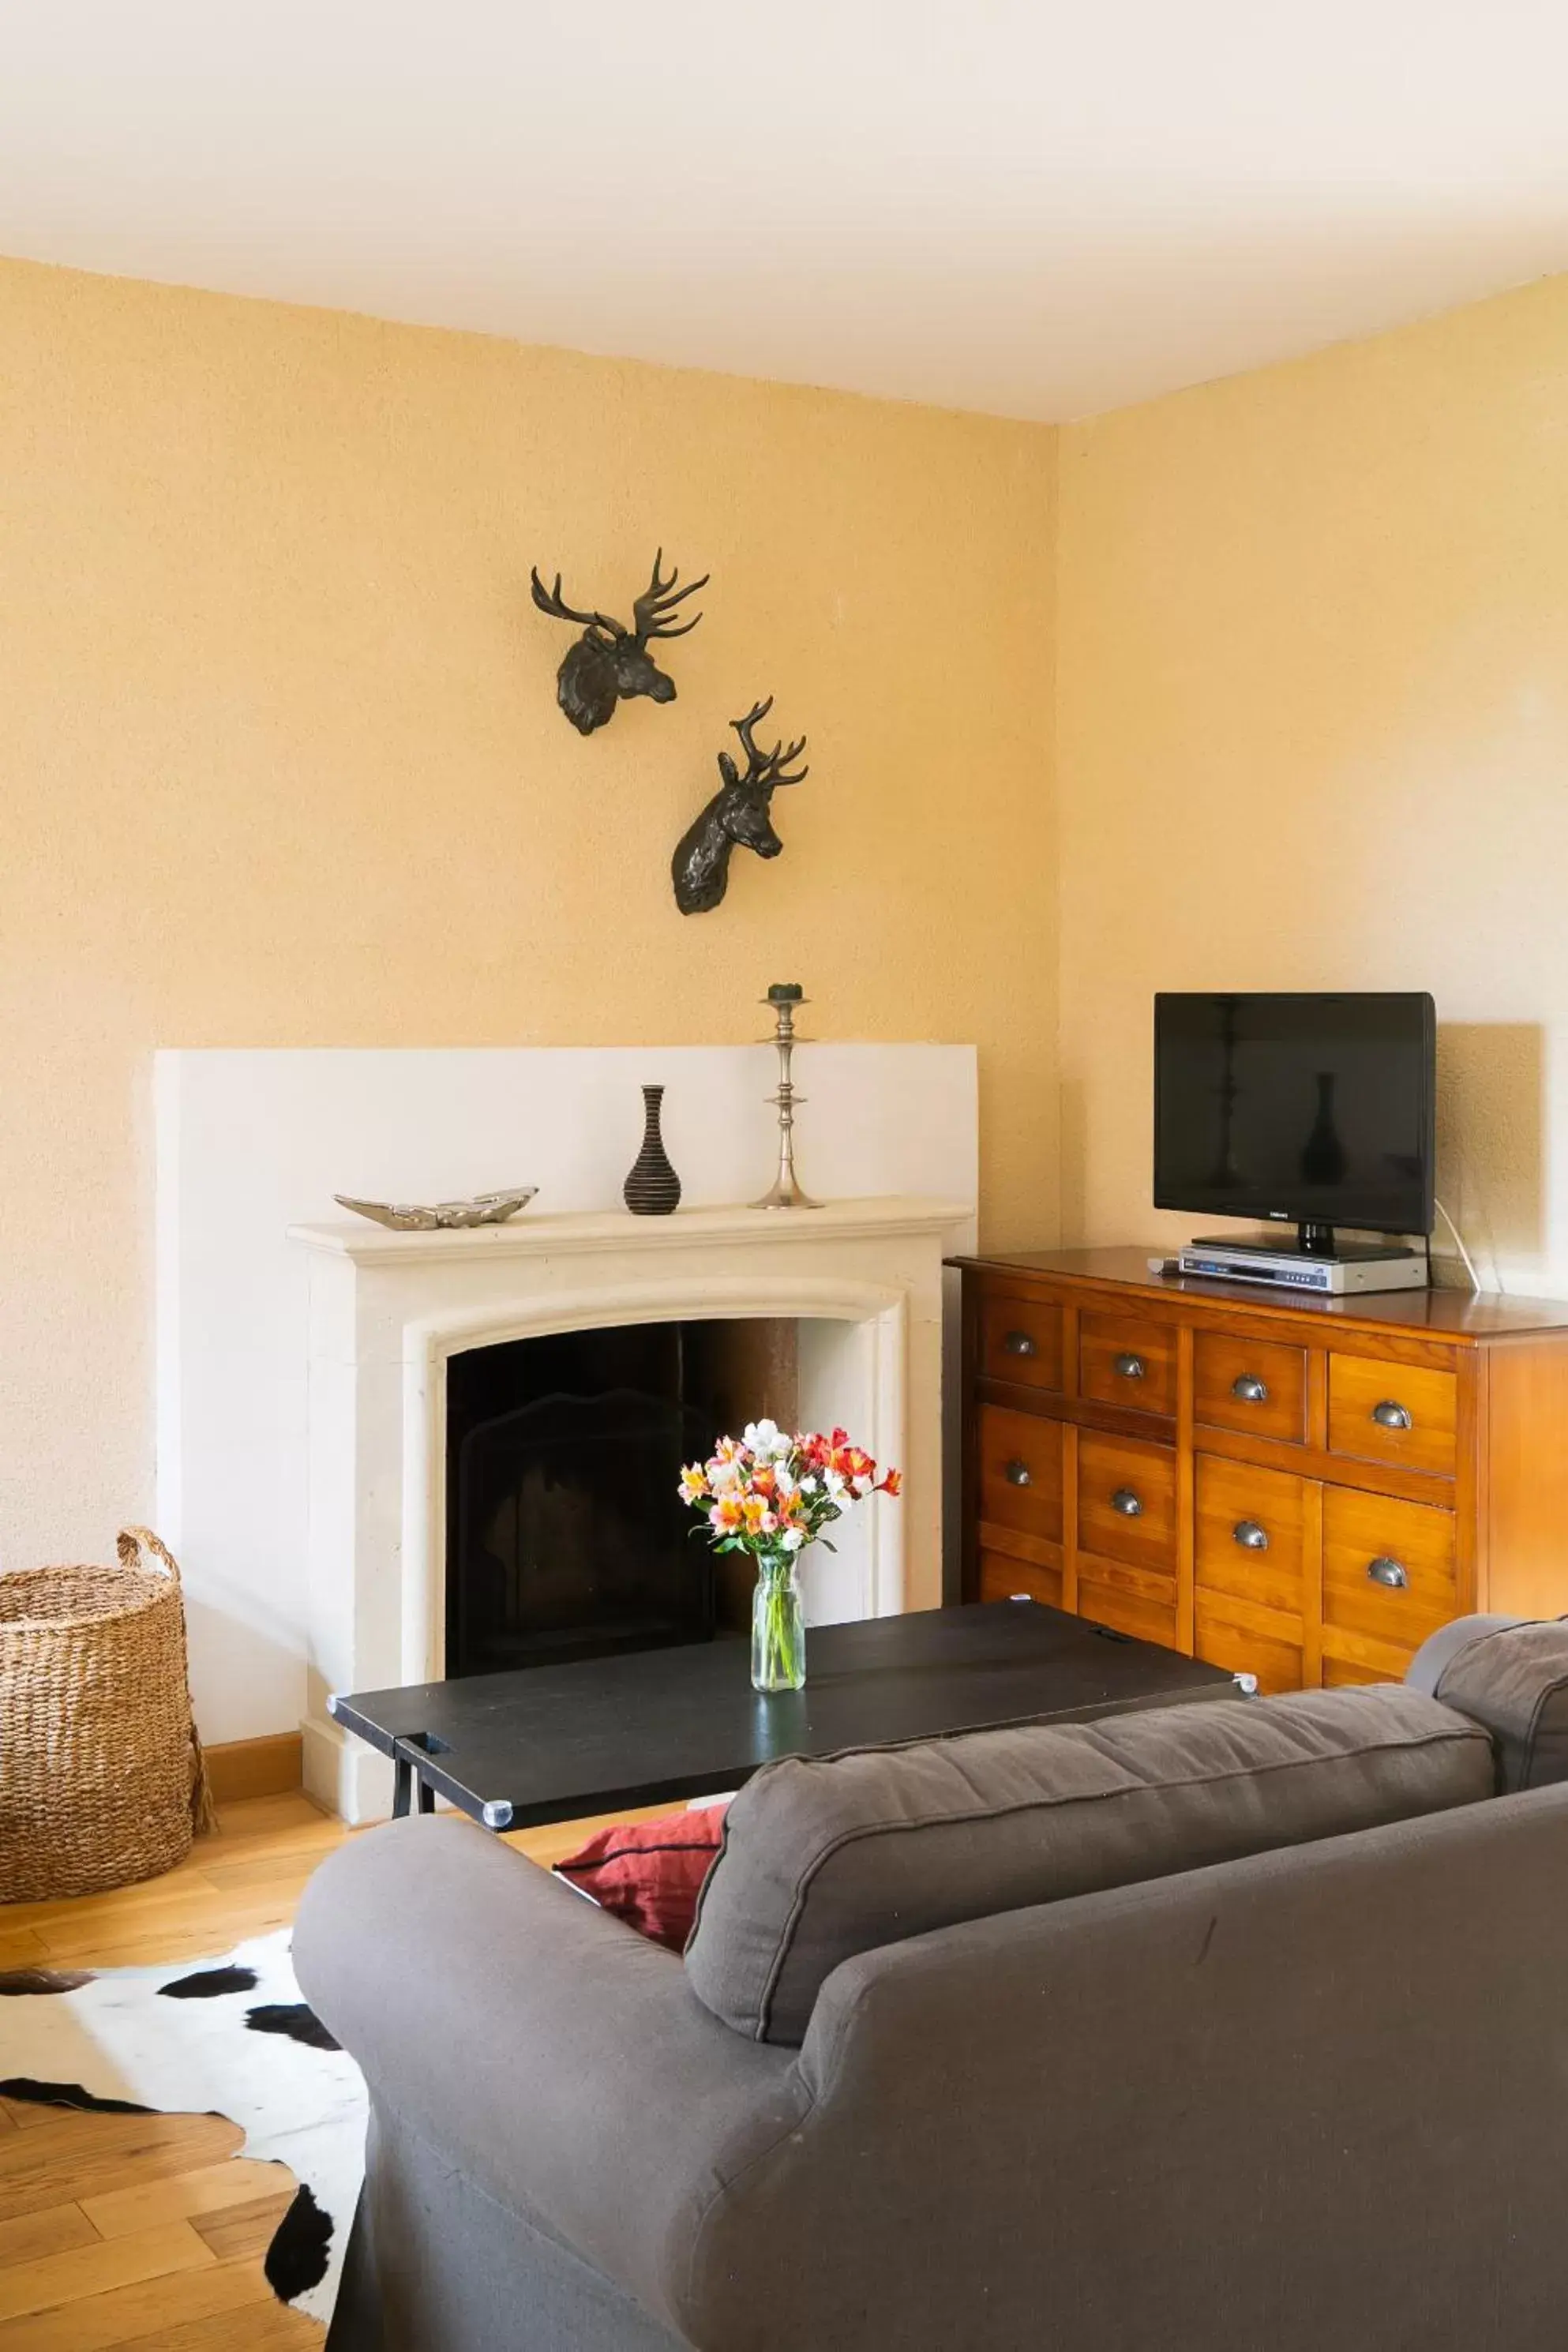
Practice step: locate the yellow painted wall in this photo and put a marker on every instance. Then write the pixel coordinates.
(280, 762)
(1313, 733)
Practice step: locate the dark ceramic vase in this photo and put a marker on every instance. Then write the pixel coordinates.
(653, 1188)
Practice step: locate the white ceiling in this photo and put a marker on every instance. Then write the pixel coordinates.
(1016, 205)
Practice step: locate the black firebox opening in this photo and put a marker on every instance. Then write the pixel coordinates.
(565, 1536)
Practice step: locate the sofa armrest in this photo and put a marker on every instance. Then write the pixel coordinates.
(1511, 1676)
(558, 2060)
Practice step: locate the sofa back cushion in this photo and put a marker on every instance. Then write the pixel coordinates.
(822, 1858)
(1509, 1674)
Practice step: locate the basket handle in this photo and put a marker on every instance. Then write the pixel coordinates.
(131, 1542)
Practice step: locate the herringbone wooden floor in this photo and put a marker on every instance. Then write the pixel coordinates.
(143, 2233)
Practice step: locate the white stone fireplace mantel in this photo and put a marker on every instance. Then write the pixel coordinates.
(532, 1236)
(862, 1278)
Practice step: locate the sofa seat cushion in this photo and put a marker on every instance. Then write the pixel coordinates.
(1509, 1674)
(822, 1858)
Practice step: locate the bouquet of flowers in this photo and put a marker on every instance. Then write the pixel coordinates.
(771, 1494)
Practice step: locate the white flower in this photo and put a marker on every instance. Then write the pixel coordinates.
(835, 1485)
(725, 1478)
(761, 1438)
(792, 1539)
(782, 1480)
(808, 1485)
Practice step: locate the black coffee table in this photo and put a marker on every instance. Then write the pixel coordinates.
(553, 1743)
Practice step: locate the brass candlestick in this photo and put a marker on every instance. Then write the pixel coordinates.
(785, 1192)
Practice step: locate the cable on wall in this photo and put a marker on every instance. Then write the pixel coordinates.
(1460, 1241)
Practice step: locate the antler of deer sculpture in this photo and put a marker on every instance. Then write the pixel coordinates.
(738, 816)
(610, 662)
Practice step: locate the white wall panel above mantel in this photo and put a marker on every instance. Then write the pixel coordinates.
(250, 1144)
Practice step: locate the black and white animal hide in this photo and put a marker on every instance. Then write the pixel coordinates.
(229, 2037)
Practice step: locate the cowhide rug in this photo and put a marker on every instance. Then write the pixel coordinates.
(229, 2037)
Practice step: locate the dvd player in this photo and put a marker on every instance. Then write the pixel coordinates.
(1350, 1270)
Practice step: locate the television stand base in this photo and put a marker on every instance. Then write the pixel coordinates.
(1352, 1267)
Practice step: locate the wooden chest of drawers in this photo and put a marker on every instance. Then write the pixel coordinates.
(1298, 1489)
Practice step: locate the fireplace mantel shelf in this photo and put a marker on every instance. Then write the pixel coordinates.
(605, 1229)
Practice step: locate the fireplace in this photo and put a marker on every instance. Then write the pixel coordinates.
(502, 1361)
(565, 1537)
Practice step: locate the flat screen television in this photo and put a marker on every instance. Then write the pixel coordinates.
(1313, 1110)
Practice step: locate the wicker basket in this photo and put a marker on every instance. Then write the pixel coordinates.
(102, 1777)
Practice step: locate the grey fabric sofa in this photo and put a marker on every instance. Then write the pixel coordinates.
(1261, 2046)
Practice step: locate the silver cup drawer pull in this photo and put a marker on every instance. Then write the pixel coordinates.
(1389, 1415)
(1128, 1367)
(1018, 1343)
(1250, 1536)
(1250, 1389)
(1391, 1572)
(1017, 1475)
(1125, 1501)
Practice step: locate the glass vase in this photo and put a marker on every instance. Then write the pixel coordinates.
(778, 1629)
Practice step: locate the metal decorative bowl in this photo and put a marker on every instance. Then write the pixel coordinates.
(444, 1216)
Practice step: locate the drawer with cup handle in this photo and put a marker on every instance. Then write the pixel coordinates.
(1125, 1360)
(1257, 1387)
(1251, 1534)
(1020, 1338)
(1252, 1540)
(1127, 1500)
(1018, 1467)
(1389, 1577)
(1403, 1415)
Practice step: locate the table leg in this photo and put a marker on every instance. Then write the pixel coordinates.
(425, 1798)
(402, 1788)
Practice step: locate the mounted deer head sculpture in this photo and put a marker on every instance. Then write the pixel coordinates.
(738, 816)
(609, 663)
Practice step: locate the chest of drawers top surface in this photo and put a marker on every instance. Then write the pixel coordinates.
(1460, 1318)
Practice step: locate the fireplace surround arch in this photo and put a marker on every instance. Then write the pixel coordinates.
(878, 1311)
(860, 1281)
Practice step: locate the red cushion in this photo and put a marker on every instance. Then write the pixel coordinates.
(649, 1874)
